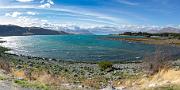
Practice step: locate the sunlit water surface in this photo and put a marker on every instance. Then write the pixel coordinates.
(79, 47)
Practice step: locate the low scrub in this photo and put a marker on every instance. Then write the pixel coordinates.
(105, 65)
(3, 49)
(5, 65)
(160, 60)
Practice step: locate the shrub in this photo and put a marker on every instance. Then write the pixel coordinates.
(5, 65)
(105, 65)
(3, 49)
(161, 59)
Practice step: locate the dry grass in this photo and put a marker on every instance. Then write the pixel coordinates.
(39, 76)
(163, 78)
(19, 74)
(5, 65)
(95, 82)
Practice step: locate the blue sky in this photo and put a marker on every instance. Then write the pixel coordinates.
(91, 13)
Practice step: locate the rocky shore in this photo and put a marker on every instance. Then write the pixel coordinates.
(53, 74)
(156, 40)
(80, 74)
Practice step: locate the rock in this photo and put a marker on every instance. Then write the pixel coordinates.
(19, 67)
(108, 88)
(152, 85)
(120, 88)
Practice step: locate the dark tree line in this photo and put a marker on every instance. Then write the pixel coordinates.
(169, 35)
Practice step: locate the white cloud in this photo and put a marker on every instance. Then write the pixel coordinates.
(42, 1)
(31, 13)
(17, 6)
(96, 15)
(51, 2)
(24, 0)
(127, 2)
(26, 21)
(13, 14)
(32, 22)
(46, 4)
(18, 14)
(78, 12)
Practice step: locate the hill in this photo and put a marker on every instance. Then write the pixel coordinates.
(13, 30)
(165, 30)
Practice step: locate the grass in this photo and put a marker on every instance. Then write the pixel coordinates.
(2, 78)
(28, 84)
(170, 87)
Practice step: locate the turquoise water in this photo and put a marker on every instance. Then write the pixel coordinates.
(78, 47)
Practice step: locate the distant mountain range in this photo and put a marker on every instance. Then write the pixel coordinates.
(75, 30)
(165, 30)
(13, 30)
(115, 30)
(88, 31)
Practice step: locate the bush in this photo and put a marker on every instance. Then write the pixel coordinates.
(105, 65)
(3, 49)
(5, 65)
(161, 59)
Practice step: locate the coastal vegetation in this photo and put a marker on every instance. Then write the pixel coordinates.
(146, 34)
(105, 65)
(2, 49)
(161, 59)
(168, 39)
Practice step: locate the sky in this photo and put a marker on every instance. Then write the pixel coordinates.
(91, 13)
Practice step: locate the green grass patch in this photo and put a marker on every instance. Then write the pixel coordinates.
(2, 78)
(28, 84)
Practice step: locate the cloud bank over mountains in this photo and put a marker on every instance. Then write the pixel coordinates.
(111, 29)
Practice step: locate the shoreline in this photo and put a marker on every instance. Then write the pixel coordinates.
(153, 41)
(75, 61)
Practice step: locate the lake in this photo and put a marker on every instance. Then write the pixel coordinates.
(80, 47)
